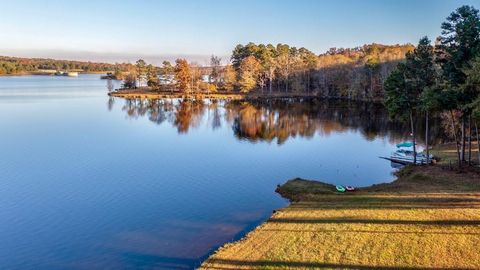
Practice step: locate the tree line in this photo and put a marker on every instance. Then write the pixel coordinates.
(442, 79)
(356, 73)
(17, 65)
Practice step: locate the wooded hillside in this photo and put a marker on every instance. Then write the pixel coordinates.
(357, 73)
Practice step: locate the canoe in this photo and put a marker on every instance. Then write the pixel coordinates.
(349, 188)
(340, 188)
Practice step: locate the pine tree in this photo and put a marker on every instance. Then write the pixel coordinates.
(140, 70)
(460, 43)
(152, 77)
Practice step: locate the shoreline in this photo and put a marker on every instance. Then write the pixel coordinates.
(322, 228)
(150, 94)
(147, 93)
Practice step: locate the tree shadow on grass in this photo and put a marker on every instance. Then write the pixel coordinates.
(221, 264)
(348, 220)
(372, 231)
(397, 202)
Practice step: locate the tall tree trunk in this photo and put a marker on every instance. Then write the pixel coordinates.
(413, 139)
(463, 139)
(371, 83)
(452, 121)
(270, 84)
(308, 82)
(478, 142)
(470, 140)
(426, 137)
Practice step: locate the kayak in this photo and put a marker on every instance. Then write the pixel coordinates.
(340, 188)
(349, 188)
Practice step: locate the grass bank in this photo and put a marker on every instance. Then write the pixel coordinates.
(427, 219)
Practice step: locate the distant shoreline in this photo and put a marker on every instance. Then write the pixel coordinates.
(38, 73)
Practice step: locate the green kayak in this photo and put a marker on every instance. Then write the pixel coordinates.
(340, 188)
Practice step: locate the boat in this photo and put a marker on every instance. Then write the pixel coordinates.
(340, 188)
(350, 188)
(109, 76)
(403, 156)
(67, 73)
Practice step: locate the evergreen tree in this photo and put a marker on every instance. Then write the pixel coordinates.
(460, 43)
(423, 77)
(152, 77)
(140, 70)
(402, 99)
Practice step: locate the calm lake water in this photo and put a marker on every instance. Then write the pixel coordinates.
(89, 182)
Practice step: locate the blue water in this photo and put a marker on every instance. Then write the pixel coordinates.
(88, 182)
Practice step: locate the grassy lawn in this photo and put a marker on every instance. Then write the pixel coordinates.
(428, 219)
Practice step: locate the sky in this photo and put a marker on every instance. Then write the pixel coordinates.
(119, 30)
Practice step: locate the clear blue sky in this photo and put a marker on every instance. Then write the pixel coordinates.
(96, 29)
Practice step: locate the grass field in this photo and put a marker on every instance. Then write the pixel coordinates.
(428, 219)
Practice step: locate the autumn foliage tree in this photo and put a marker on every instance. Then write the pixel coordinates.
(183, 75)
(249, 72)
(356, 73)
(229, 78)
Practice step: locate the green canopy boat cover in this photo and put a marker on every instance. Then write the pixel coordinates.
(405, 144)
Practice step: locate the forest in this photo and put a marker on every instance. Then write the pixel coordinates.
(353, 73)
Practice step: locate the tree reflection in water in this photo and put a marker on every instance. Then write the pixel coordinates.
(275, 119)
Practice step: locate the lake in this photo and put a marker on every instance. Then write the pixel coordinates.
(92, 182)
